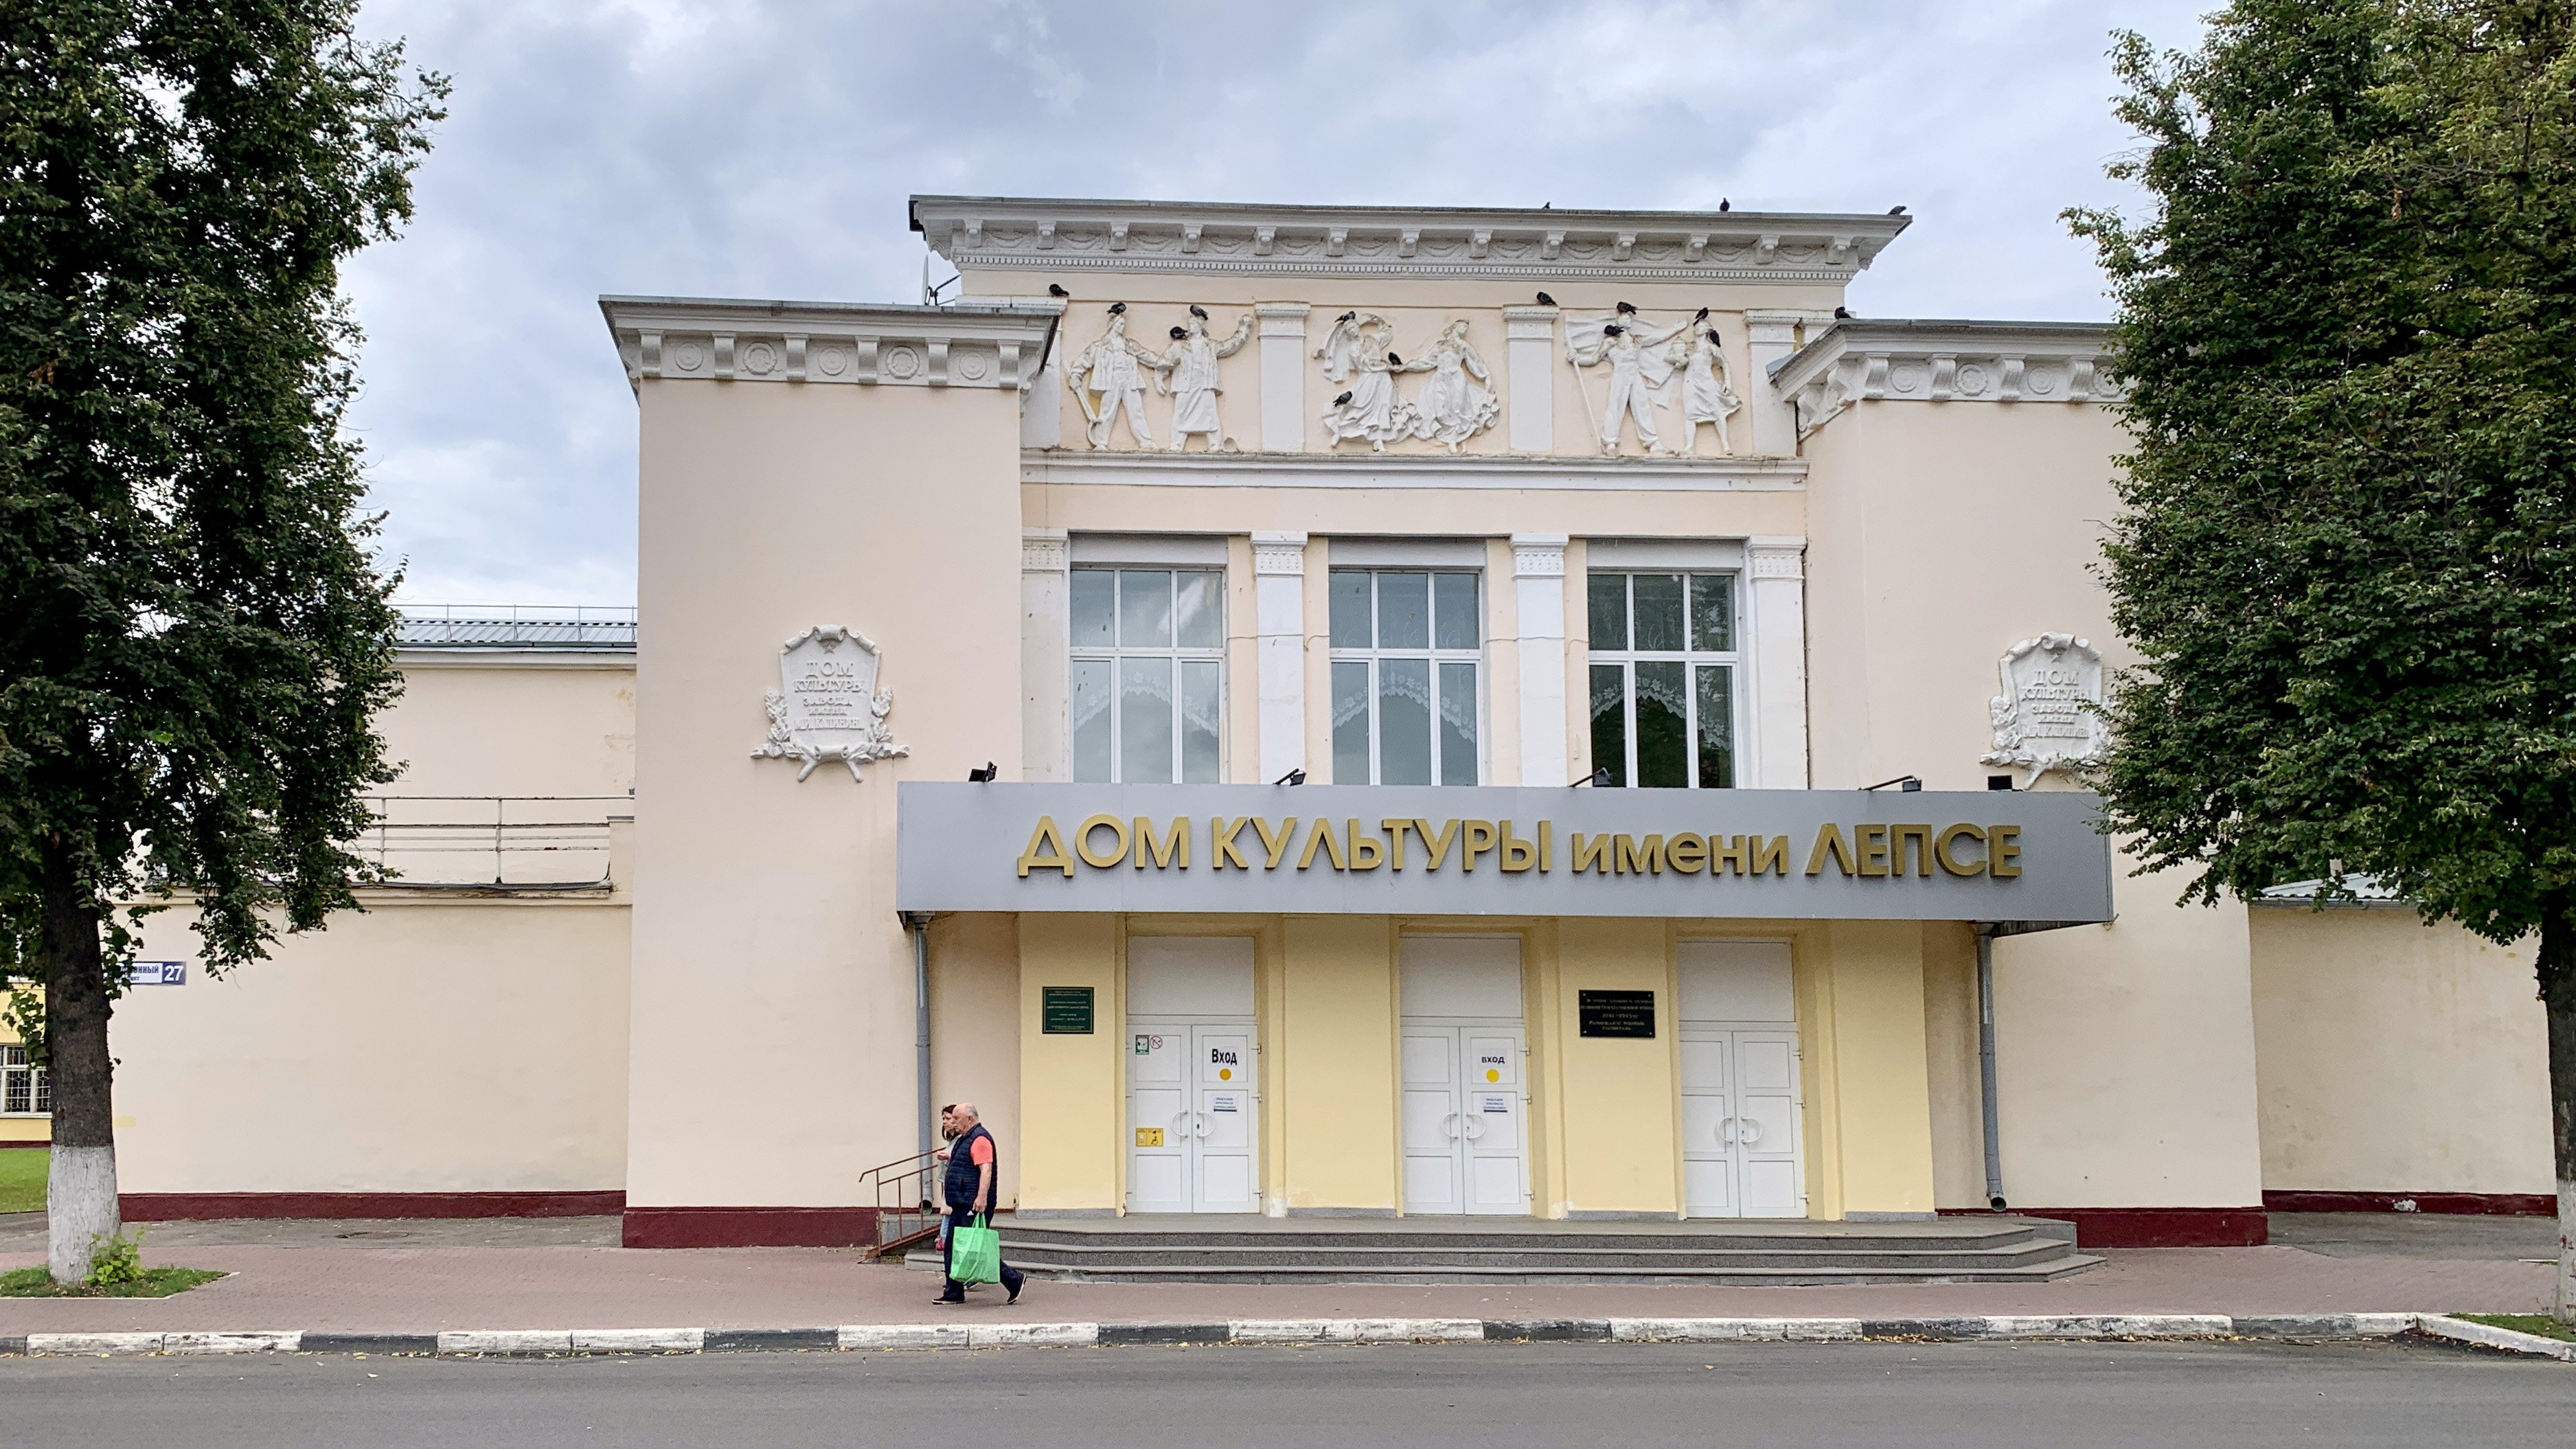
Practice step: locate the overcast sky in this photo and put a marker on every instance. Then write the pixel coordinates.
(745, 149)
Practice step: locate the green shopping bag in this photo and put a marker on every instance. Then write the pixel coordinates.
(975, 1252)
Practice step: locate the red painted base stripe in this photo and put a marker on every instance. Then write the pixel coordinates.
(2180, 1227)
(751, 1227)
(2490, 1204)
(199, 1206)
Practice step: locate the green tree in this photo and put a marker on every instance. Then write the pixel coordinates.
(193, 636)
(2348, 549)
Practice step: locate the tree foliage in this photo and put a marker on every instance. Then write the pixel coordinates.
(2348, 549)
(193, 635)
(2348, 555)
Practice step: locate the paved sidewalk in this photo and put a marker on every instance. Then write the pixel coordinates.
(469, 1275)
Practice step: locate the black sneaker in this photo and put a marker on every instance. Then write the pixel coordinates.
(1015, 1291)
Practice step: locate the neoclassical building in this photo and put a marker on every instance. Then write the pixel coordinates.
(1327, 712)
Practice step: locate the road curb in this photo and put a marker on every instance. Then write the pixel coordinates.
(917, 1337)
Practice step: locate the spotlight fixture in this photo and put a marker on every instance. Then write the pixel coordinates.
(1905, 784)
(984, 776)
(1296, 776)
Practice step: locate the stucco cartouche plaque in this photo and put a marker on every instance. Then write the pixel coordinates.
(827, 705)
(2048, 716)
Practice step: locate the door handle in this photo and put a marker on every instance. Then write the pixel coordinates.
(1475, 1128)
(1725, 1132)
(1198, 1125)
(1751, 1128)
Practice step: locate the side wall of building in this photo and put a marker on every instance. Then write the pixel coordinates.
(1940, 535)
(2397, 1060)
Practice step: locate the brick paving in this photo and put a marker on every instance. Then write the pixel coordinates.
(500, 1275)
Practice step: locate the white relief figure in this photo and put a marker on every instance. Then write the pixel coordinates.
(1355, 352)
(1708, 395)
(1187, 370)
(1454, 406)
(1638, 371)
(1109, 376)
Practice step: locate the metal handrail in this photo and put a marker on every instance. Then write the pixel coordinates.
(904, 1211)
(499, 838)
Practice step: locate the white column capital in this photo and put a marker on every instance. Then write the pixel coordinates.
(1045, 551)
(1537, 323)
(1538, 555)
(1282, 319)
(1776, 558)
(1279, 555)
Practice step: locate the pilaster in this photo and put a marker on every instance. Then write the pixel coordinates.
(1538, 587)
(1046, 563)
(1279, 605)
(1775, 421)
(1776, 629)
(1283, 375)
(1529, 366)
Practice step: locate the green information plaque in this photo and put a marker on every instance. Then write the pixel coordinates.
(1066, 1009)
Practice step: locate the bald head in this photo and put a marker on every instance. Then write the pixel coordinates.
(965, 1115)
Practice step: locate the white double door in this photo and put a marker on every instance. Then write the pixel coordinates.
(1192, 1113)
(1193, 1077)
(1466, 1147)
(1740, 1156)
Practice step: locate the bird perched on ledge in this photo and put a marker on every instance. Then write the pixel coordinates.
(1545, 300)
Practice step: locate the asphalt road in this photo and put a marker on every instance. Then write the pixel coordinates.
(1492, 1396)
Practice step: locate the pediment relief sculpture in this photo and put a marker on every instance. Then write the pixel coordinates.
(1454, 405)
(1652, 368)
(1108, 380)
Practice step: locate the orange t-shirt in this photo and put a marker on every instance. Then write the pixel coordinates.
(981, 1154)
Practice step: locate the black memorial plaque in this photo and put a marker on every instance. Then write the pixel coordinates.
(1615, 1013)
(1066, 1009)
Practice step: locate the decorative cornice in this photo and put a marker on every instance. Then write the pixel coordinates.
(965, 344)
(1226, 238)
(1905, 361)
(1412, 471)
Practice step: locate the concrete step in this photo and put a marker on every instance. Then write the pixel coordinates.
(1163, 1250)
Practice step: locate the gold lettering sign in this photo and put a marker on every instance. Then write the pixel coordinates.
(1871, 851)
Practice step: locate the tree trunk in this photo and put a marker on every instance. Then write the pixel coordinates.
(2557, 968)
(80, 1194)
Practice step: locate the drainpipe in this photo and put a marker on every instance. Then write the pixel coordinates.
(918, 923)
(1985, 1063)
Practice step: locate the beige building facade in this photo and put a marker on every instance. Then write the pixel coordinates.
(1336, 712)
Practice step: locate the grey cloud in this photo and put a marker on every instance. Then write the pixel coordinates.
(734, 148)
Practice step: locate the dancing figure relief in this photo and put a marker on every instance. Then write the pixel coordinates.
(1455, 404)
(1187, 371)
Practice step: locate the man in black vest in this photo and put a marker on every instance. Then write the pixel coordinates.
(971, 1186)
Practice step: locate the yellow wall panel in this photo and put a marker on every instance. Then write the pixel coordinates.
(1071, 1099)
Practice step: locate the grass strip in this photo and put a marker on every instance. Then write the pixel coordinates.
(2540, 1325)
(22, 1179)
(157, 1283)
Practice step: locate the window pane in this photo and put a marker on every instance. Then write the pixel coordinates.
(44, 1091)
(1145, 721)
(1716, 727)
(19, 1097)
(1145, 608)
(1094, 602)
(1202, 609)
(1712, 598)
(1663, 729)
(1457, 724)
(1453, 598)
(1404, 721)
(1351, 628)
(1609, 715)
(1609, 611)
(1350, 718)
(1200, 721)
(1091, 720)
(1404, 611)
(1659, 612)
